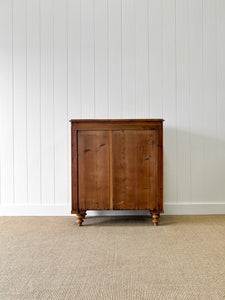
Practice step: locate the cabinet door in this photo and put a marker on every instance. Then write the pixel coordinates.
(93, 169)
(135, 157)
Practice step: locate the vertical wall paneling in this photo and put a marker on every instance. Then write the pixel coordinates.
(87, 59)
(210, 97)
(68, 59)
(74, 57)
(196, 92)
(183, 101)
(142, 58)
(101, 58)
(169, 100)
(6, 105)
(128, 61)
(115, 58)
(74, 70)
(33, 103)
(220, 100)
(47, 102)
(155, 58)
(20, 100)
(60, 101)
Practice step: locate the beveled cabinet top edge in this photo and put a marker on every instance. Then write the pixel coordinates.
(114, 120)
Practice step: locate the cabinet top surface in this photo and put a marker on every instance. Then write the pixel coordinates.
(114, 120)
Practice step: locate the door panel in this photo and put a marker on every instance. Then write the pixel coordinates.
(93, 169)
(134, 169)
(124, 156)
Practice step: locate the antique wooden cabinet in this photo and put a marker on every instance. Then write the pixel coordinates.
(117, 165)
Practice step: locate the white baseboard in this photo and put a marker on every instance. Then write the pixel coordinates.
(194, 209)
(64, 210)
(35, 210)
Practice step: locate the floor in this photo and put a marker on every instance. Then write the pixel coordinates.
(112, 258)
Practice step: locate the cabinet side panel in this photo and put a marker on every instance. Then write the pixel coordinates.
(74, 169)
(93, 170)
(124, 169)
(147, 155)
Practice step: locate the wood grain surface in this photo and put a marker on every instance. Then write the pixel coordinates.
(135, 169)
(93, 169)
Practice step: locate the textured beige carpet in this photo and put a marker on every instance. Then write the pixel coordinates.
(112, 258)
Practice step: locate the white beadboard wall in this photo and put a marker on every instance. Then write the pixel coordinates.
(63, 59)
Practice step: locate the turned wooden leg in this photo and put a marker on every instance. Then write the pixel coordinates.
(155, 217)
(79, 218)
(83, 213)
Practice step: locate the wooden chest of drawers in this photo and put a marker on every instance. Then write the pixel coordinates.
(117, 165)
